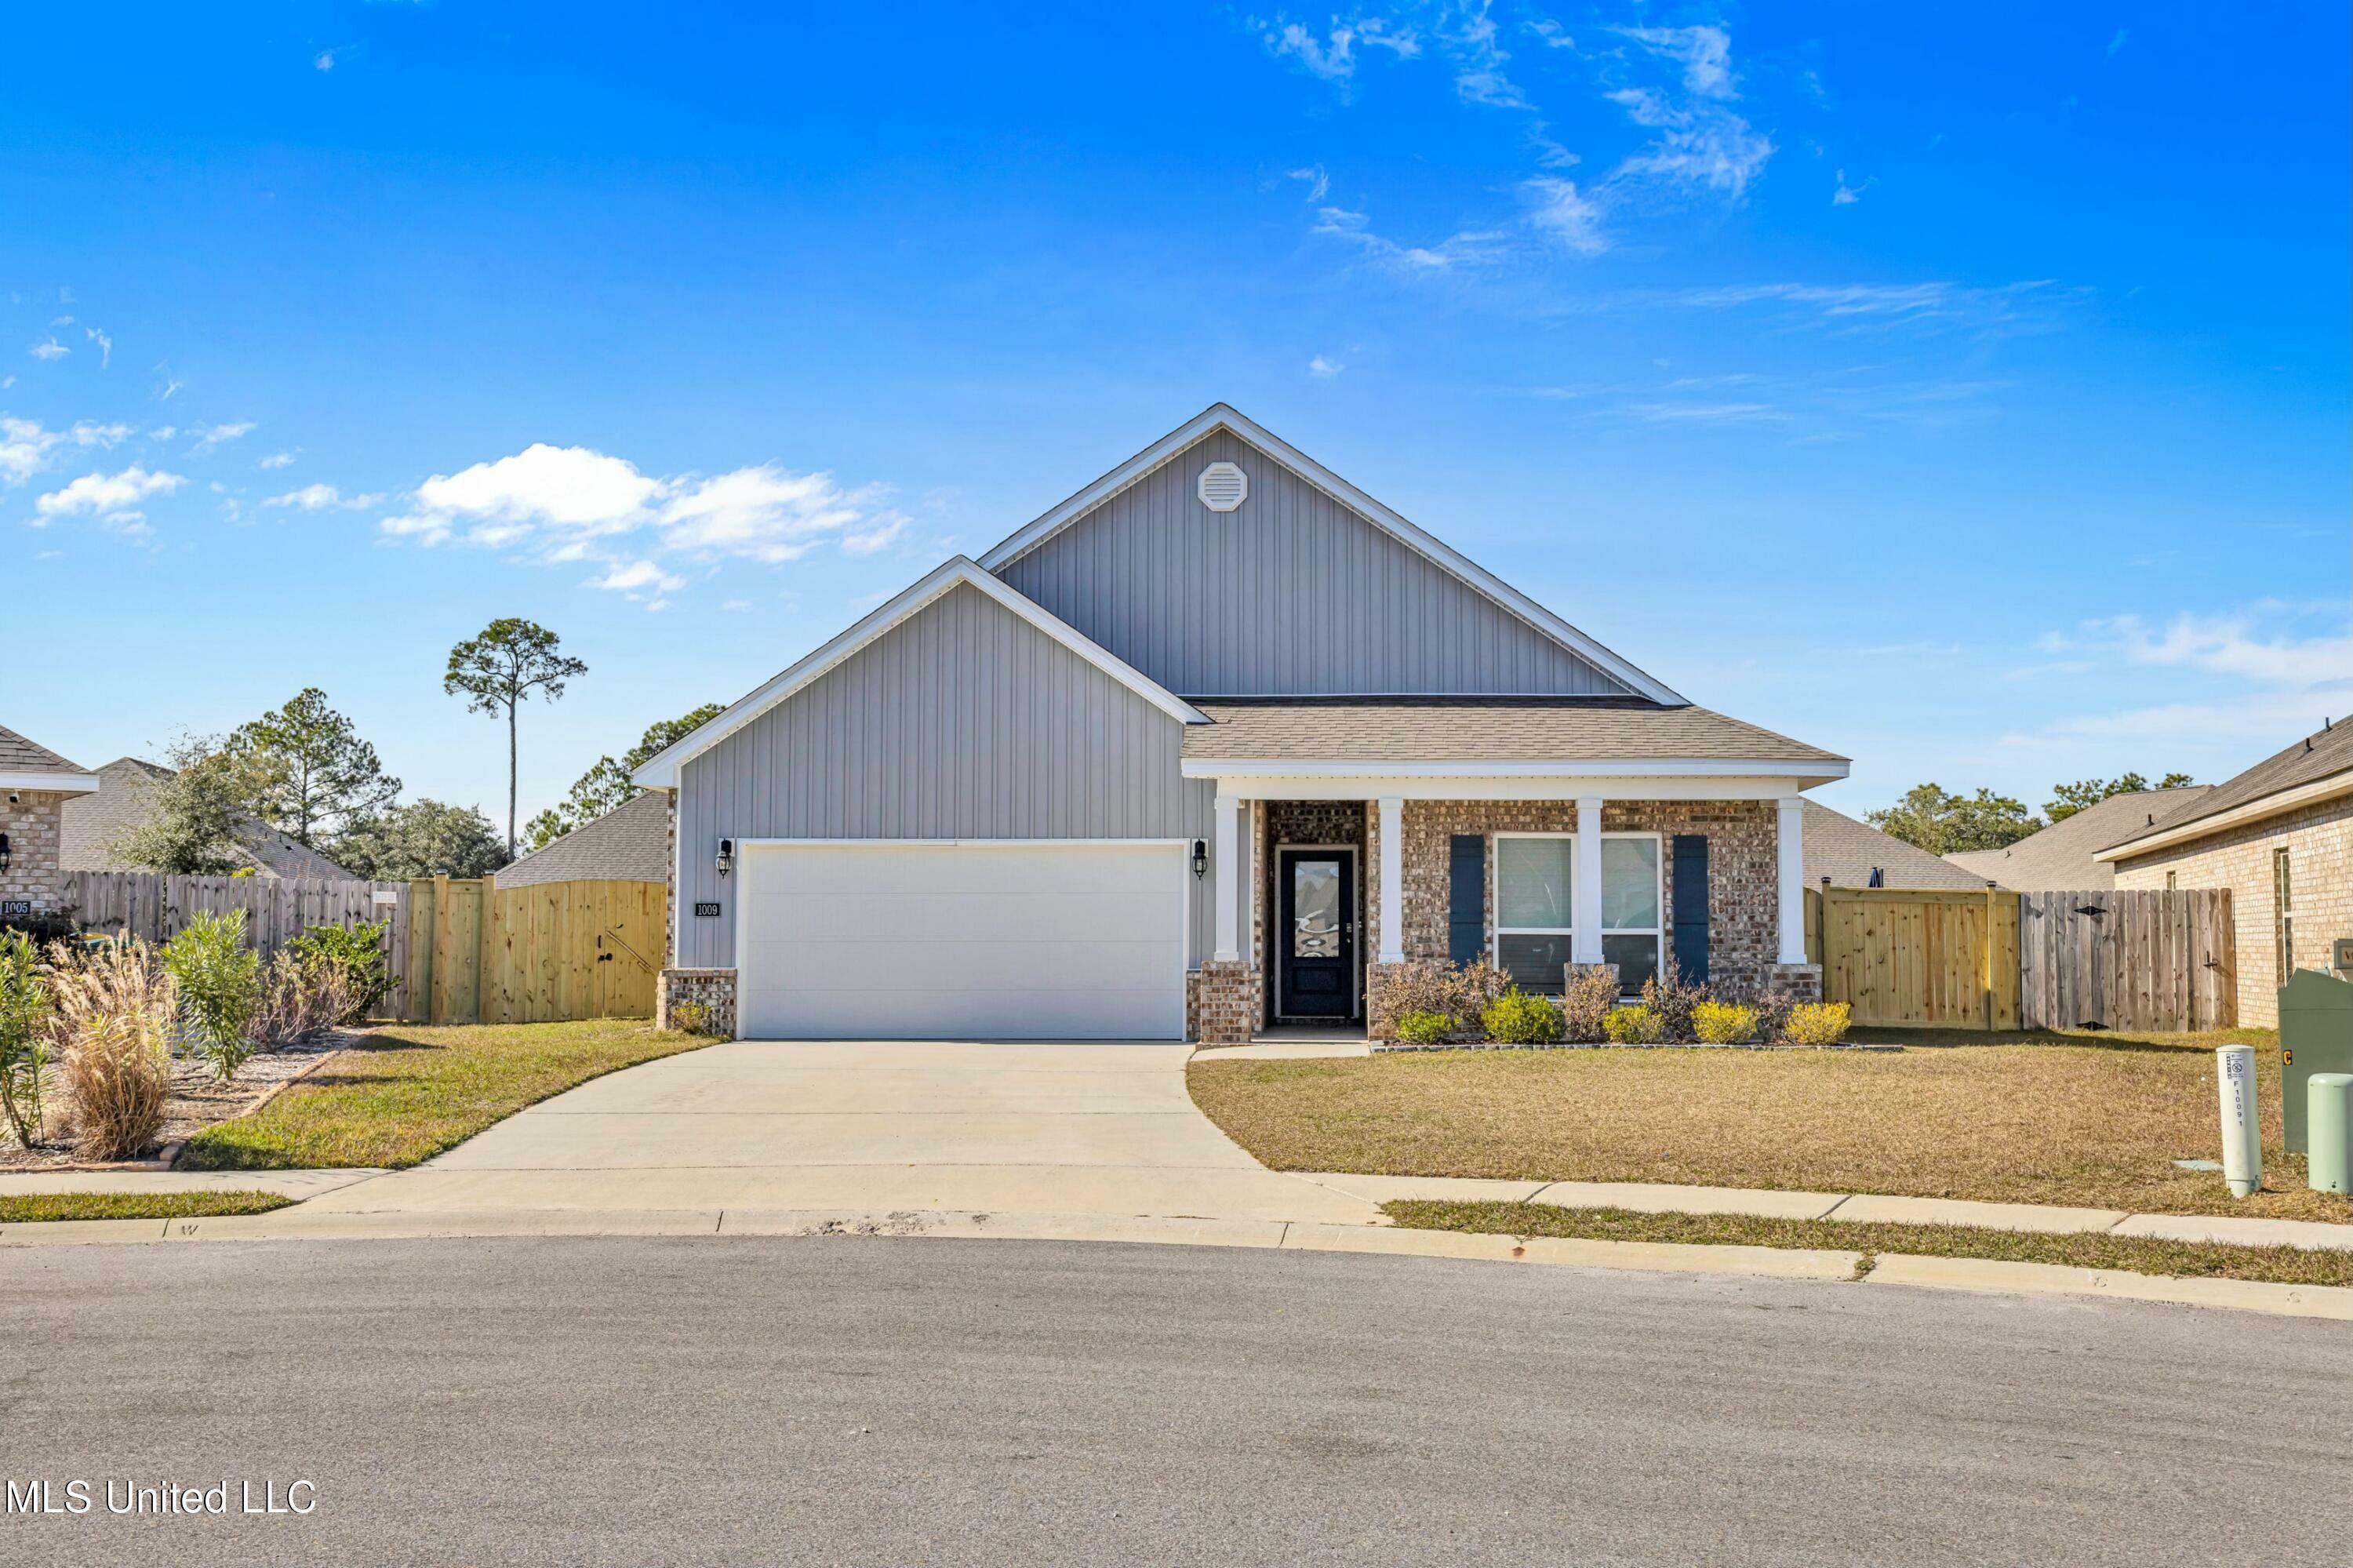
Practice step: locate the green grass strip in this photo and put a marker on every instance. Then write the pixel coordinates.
(34, 1207)
(2080, 1249)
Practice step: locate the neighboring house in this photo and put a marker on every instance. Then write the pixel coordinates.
(1846, 853)
(36, 784)
(1219, 742)
(628, 843)
(2064, 857)
(94, 826)
(2280, 837)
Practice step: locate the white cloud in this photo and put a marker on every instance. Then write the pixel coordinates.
(324, 60)
(1315, 179)
(1847, 195)
(876, 536)
(277, 461)
(209, 436)
(2229, 645)
(1468, 246)
(767, 512)
(50, 351)
(323, 498)
(105, 346)
(631, 577)
(1704, 53)
(1331, 57)
(91, 433)
(107, 495)
(1560, 210)
(570, 487)
(163, 391)
(1323, 368)
(24, 448)
(1552, 33)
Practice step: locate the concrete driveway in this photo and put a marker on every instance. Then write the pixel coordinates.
(862, 1127)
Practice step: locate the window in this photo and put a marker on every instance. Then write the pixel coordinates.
(1536, 914)
(2282, 917)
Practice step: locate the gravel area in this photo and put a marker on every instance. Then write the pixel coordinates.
(198, 1100)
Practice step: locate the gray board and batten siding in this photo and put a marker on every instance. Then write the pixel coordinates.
(1293, 594)
(962, 722)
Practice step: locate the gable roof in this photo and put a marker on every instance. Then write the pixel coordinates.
(628, 843)
(1220, 417)
(1546, 732)
(661, 770)
(2315, 767)
(89, 825)
(2060, 858)
(1836, 846)
(27, 765)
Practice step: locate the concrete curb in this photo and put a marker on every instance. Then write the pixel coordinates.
(1828, 1267)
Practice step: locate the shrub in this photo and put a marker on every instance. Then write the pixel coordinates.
(1458, 993)
(1723, 1023)
(219, 979)
(1666, 995)
(691, 1018)
(1424, 1028)
(1635, 1025)
(110, 1026)
(299, 997)
(1816, 1023)
(357, 952)
(1585, 1007)
(1516, 1018)
(24, 1053)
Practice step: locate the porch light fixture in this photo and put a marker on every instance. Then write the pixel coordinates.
(4, 852)
(726, 856)
(1200, 856)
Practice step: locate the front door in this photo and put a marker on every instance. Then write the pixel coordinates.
(1316, 961)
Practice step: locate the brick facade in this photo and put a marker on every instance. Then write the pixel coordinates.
(1223, 1003)
(34, 824)
(2318, 840)
(714, 988)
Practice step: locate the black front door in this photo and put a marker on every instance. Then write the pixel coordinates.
(1316, 961)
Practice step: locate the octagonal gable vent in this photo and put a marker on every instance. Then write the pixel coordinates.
(1222, 487)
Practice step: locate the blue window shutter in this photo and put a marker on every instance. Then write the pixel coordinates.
(1466, 898)
(1690, 908)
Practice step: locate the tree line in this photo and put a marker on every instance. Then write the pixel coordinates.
(1949, 824)
(304, 770)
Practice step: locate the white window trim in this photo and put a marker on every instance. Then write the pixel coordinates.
(1495, 880)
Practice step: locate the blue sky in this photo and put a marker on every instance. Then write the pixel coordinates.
(1966, 392)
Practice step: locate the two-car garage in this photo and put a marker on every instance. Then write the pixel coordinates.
(1041, 939)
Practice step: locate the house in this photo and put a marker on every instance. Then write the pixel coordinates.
(94, 824)
(36, 783)
(1219, 742)
(628, 843)
(2280, 837)
(1848, 853)
(2064, 857)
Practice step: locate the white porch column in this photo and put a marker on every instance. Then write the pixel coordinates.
(1392, 906)
(1585, 913)
(1232, 882)
(1792, 901)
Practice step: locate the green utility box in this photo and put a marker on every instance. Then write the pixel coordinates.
(2316, 1014)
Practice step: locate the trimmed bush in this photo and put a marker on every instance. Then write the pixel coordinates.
(1424, 1028)
(1635, 1026)
(1584, 1008)
(1460, 994)
(1665, 994)
(220, 981)
(1723, 1023)
(111, 1025)
(357, 952)
(1816, 1023)
(1516, 1018)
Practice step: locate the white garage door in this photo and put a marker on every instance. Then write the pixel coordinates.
(908, 941)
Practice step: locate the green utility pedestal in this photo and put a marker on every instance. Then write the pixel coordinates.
(2330, 1162)
(2316, 1014)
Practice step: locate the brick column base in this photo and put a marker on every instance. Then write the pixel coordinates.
(711, 990)
(1380, 1014)
(1223, 1001)
(1798, 983)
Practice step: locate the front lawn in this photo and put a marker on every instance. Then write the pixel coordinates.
(2090, 1119)
(407, 1092)
(2140, 1254)
(36, 1206)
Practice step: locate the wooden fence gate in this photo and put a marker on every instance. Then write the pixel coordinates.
(480, 953)
(1917, 957)
(2148, 959)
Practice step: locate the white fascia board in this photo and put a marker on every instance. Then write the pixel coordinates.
(1458, 787)
(52, 783)
(1217, 416)
(661, 771)
(1694, 767)
(2237, 816)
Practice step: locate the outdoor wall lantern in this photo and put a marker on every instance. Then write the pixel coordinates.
(4, 852)
(1201, 857)
(726, 856)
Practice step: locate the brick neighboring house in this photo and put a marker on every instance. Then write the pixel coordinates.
(2280, 837)
(1219, 742)
(34, 785)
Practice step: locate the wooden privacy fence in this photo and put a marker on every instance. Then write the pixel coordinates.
(480, 953)
(1917, 957)
(155, 909)
(2144, 959)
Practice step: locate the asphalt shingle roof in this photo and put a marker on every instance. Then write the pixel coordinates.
(2058, 859)
(1846, 851)
(88, 826)
(18, 754)
(628, 843)
(2326, 751)
(1482, 729)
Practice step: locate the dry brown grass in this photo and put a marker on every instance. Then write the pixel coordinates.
(2092, 1120)
(111, 1027)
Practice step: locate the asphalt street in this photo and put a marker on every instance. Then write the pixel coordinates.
(729, 1400)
